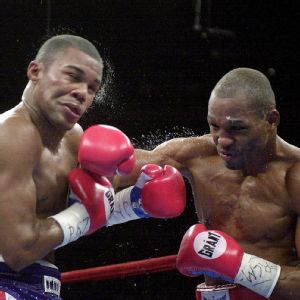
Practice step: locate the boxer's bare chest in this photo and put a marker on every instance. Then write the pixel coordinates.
(250, 208)
(51, 179)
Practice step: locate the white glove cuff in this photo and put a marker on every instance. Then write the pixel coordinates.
(258, 275)
(123, 211)
(74, 222)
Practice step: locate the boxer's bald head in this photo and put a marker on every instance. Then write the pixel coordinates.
(250, 83)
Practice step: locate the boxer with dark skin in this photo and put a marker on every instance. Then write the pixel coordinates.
(244, 177)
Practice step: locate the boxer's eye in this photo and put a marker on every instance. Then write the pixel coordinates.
(73, 76)
(93, 89)
(237, 127)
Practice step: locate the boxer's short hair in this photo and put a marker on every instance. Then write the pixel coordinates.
(59, 43)
(254, 85)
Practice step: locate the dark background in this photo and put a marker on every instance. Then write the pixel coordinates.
(160, 72)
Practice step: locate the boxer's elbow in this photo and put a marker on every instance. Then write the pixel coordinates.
(20, 253)
(15, 261)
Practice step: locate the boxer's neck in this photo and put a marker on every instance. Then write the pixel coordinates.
(50, 136)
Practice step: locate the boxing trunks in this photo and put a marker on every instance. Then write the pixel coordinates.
(225, 292)
(40, 281)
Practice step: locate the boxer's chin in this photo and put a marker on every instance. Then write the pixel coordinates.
(233, 165)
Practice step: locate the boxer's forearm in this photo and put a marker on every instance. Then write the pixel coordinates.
(143, 157)
(288, 285)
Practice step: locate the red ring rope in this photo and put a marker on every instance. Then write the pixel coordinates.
(151, 265)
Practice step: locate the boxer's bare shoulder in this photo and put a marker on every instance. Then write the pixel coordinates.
(17, 126)
(290, 154)
(18, 133)
(288, 151)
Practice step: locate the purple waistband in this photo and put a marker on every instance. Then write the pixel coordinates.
(37, 281)
(32, 274)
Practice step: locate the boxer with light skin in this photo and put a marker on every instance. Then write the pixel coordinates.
(53, 184)
(246, 187)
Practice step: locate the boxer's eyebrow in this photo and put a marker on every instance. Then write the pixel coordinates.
(81, 72)
(74, 68)
(228, 123)
(236, 122)
(238, 125)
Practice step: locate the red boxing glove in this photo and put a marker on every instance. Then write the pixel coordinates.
(96, 196)
(106, 150)
(158, 193)
(217, 254)
(163, 191)
(92, 203)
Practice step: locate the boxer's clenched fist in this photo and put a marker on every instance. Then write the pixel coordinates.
(92, 203)
(106, 150)
(159, 193)
(215, 253)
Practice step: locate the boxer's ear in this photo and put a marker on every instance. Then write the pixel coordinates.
(273, 117)
(33, 71)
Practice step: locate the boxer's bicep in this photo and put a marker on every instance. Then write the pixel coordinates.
(163, 155)
(293, 189)
(17, 211)
(179, 153)
(173, 152)
(17, 198)
(297, 237)
(142, 157)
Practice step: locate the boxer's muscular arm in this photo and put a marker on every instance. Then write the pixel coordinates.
(24, 238)
(288, 285)
(175, 152)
